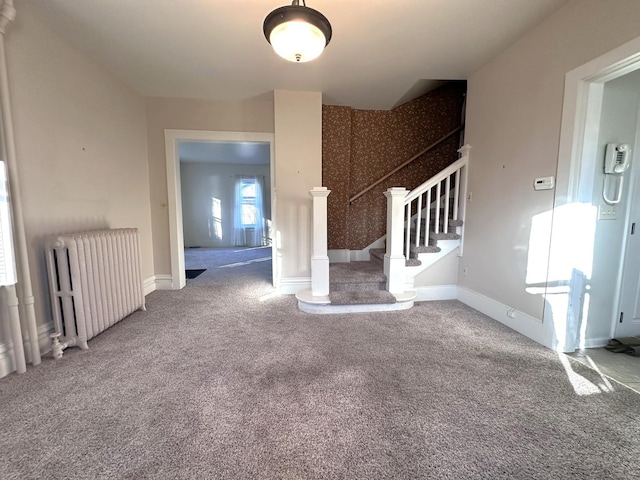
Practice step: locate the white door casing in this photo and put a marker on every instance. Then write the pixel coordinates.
(172, 139)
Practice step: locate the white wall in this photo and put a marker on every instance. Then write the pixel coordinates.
(253, 115)
(298, 140)
(80, 138)
(514, 106)
(202, 181)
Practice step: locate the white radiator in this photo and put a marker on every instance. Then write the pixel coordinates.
(95, 281)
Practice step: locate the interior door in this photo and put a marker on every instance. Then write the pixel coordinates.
(628, 321)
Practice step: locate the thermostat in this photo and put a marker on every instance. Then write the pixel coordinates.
(543, 183)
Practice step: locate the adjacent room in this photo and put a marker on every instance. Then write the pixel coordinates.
(226, 205)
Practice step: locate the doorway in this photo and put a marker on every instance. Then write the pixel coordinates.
(583, 139)
(242, 143)
(627, 321)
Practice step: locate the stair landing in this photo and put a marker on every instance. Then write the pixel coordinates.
(355, 287)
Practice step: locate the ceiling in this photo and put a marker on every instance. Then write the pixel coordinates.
(247, 153)
(383, 52)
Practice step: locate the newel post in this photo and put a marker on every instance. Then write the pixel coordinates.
(319, 258)
(394, 261)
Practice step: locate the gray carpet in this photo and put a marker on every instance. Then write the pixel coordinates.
(358, 283)
(212, 383)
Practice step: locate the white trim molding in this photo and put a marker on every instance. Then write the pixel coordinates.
(6, 349)
(435, 292)
(293, 285)
(149, 285)
(157, 282)
(172, 138)
(164, 282)
(516, 320)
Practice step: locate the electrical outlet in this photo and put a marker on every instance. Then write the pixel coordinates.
(465, 271)
(607, 212)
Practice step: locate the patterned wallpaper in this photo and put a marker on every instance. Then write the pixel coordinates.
(360, 146)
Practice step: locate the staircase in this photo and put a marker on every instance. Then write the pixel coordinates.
(417, 238)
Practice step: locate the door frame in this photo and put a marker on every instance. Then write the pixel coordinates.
(580, 125)
(172, 139)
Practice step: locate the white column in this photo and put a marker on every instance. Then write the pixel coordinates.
(319, 259)
(394, 260)
(25, 291)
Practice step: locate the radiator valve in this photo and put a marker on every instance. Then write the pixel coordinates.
(57, 346)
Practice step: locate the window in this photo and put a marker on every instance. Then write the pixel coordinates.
(249, 207)
(215, 221)
(7, 264)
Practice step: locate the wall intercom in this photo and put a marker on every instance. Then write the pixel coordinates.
(616, 160)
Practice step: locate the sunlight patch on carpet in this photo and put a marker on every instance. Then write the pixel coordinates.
(580, 384)
(239, 264)
(251, 248)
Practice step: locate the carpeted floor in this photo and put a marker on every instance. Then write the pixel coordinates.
(225, 380)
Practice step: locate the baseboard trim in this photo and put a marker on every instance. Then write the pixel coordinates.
(149, 285)
(595, 342)
(163, 281)
(6, 349)
(521, 322)
(293, 285)
(436, 292)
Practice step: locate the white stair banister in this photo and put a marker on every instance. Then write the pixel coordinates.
(319, 259)
(464, 153)
(394, 260)
(448, 205)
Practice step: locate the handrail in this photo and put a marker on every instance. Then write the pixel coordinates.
(400, 167)
(420, 189)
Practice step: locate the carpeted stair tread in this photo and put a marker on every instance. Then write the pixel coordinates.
(361, 297)
(422, 233)
(444, 236)
(424, 249)
(452, 223)
(356, 276)
(352, 272)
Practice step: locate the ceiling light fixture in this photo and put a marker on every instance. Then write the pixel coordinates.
(296, 32)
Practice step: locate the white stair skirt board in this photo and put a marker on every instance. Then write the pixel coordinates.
(346, 256)
(320, 305)
(339, 256)
(436, 292)
(428, 259)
